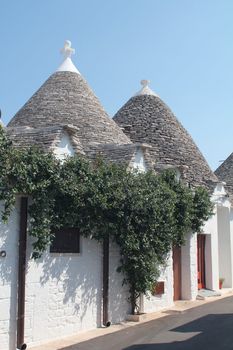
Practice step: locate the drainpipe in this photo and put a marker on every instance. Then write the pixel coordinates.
(106, 322)
(22, 273)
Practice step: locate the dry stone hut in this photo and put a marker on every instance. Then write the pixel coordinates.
(145, 118)
(205, 257)
(64, 290)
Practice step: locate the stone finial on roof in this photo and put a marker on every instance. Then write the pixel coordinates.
(145, 82)
(67, 65)
(67, 50)
(145, 90)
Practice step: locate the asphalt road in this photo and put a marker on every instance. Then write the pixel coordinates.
(208, 327)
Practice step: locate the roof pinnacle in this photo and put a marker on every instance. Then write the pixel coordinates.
(145, 82)
(67, 50)
(145, 90)
(67, 64)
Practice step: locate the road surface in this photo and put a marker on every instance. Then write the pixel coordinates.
(208, 327)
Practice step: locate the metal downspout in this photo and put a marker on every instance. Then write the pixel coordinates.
(106, 321)
(22, 273)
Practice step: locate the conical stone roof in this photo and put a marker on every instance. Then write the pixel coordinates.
(145, 118)
(66, 98)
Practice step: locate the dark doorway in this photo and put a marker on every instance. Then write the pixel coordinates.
(201, 261)
(177, 272)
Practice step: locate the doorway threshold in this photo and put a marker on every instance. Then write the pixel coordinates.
(207, 293)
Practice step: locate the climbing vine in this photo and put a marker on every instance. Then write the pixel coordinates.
(143, 213)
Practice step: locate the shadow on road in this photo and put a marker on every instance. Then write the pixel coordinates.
(215, 333)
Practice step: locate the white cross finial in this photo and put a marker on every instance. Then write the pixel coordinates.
(67, 64)
(67, 50)
(145, 82)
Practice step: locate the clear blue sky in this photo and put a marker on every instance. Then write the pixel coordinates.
(184, 47)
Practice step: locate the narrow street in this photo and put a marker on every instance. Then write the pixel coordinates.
(208, 327)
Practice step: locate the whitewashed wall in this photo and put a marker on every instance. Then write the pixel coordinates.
(224, 246)
(63, 293)
(189, 268)
(155, 303)
(231, 243)
(119, 305)
(211, 252)
(8, 280)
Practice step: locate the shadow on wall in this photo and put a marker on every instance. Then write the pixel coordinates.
(215, 333)
(8, 263)
(119, 305)
(75, 280)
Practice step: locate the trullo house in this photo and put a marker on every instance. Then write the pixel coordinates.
(64, 290)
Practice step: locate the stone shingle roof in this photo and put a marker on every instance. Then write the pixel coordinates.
(225, 173)
(146, 118)
(120, 154)
(46, 138)
(66, 98)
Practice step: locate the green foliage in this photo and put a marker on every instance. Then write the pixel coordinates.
(144, 213)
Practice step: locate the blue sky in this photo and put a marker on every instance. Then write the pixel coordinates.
(184, 47)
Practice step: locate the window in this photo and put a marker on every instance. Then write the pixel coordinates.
(158, 288)
(66, 240)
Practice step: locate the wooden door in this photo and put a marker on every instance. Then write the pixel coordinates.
(201, 261)
(177, 272)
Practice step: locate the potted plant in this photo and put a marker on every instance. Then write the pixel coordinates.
(221, 280)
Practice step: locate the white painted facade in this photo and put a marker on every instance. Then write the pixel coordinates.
(189, 268)
(219, 247)
(153, 303)
(8, 279)
(64, 291)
